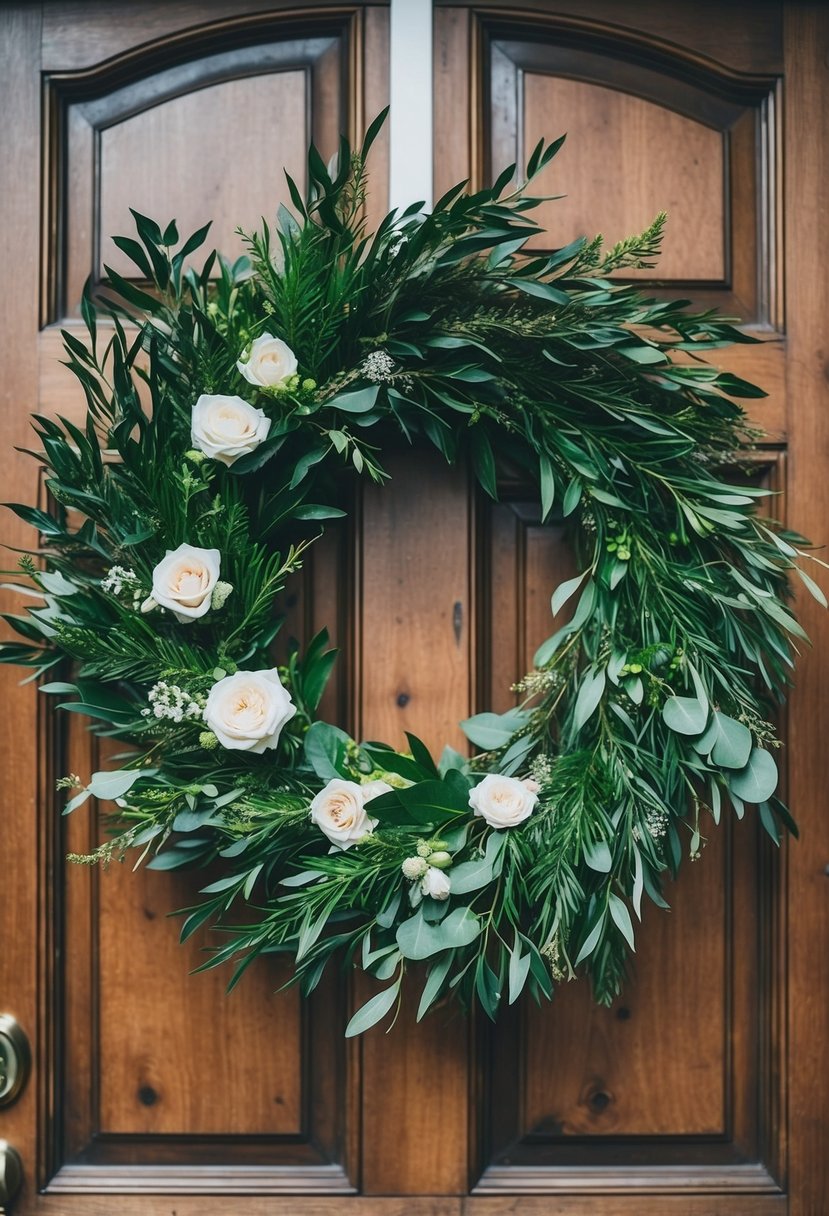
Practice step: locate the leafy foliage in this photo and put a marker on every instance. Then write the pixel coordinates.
(647, 708)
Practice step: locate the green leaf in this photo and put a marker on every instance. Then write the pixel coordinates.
(519, 970)
(564, 590)
(591, 941)
(621, 918)
(572, 497)
(359, 401)
(598, 856)
(373, 1011)
(493, 731)
(484, 461)
(727, 741)
(758, 780)
(434, 982)
(473, 875)
(812, 587)
(547, 483)
(685, 715)
(418, 939)
(542, 291)
(325, 750)
(589, 696)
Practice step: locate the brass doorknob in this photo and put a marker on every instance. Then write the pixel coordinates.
(11, 1176)
(15, 1059)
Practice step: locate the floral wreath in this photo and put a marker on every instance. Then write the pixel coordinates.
(173, 529)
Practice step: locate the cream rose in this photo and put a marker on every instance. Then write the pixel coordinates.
(183, 581)
(268, 363)
(225, 428)
(339, 811)
(247, 711)
(435, 883)
(503, 802)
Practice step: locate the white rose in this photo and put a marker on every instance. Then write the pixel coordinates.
(183, 581)
(503, 802)
(435, 883)
(247, 711)
(339, 812)
(373, 789)
(268, 363)
(226, 428)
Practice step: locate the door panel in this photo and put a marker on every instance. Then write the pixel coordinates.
(155, 1093)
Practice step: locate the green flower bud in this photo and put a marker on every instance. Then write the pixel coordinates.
(309, 385)
(195, 456)
(208, 741)
(440, 860)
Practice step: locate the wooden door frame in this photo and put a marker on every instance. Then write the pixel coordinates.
(27, 948)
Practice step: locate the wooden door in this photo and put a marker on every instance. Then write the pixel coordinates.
(701, 1090)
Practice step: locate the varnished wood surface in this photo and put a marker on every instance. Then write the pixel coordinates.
(807, 230)
(416, 648)
(626, 159)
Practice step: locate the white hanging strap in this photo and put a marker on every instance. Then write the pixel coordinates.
(410, 121)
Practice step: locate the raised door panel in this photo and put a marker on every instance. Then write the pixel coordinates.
(650, 127)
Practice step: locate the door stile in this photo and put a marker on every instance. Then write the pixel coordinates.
(807, 307)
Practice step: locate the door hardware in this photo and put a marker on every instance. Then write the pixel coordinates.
(15, 1059)
(11, 1176)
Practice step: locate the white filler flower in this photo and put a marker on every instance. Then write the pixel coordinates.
(339, 810)
(225, 428)
(268, 363)
(503, 802)
(247, 711)
(183, 581)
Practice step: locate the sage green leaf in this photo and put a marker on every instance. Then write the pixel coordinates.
(591, 941)
(685, 715)
(491, 731)
(434, 982)
(564, 590)
(807, 582)
(732, 746)
(548, 485)
(473, 875)
(460, 928)
(758, 780)
(373, 1011)
(418, 939)
(621, 918)
(519, 969)
(360, 401)
(598, 856)
(590, 694)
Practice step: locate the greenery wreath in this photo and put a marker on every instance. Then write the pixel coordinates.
(175, 525)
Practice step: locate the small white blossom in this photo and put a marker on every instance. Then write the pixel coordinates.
(656, 824)
(378, 367)
(168, 701)
(414, 868)
(117, 578)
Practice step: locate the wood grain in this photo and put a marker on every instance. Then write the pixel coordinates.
(807, 306)
(415, 668)
(232, 175)
(625, 160)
